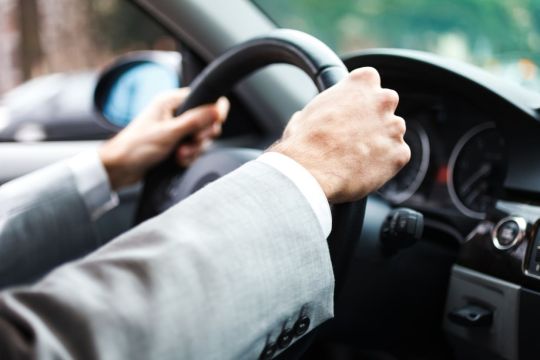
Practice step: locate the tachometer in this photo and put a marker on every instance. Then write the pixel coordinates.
(477, 169)
(408, 180)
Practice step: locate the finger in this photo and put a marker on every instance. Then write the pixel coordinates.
(193, 121)
(169, 101)
(209, 132)
(196, 147)
(162, 107)
(216, 130)
(389, 99)
(223, 106)
(404, 156)
(186, 154)
(187, 149)
(367, 75)
(397, 127)
(185, 161)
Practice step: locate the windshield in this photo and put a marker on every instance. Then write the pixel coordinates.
(501, 36)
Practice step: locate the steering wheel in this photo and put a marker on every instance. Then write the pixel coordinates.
(167, 184)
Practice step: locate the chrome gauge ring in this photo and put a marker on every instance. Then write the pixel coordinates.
(476, 170)
(402, 186)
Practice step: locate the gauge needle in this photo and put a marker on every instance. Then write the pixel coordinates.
(479, 174)
(475, 193)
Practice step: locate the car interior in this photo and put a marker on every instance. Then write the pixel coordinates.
(443, 262)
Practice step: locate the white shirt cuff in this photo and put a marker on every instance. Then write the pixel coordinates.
(306, 183)
(93, 183)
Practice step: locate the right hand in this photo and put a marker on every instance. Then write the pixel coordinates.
(348, 137)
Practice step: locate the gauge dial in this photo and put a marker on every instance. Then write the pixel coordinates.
(476, 170)
(408, 180)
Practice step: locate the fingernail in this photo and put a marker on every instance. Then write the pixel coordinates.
(184, 152)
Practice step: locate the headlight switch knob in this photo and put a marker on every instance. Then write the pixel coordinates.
(402, 228)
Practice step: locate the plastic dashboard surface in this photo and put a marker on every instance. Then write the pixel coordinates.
(473, 137)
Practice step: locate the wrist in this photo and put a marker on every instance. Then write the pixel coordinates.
(323, 178)
(111, 158)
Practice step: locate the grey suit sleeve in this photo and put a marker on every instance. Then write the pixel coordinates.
(43, 223)
(219, 276)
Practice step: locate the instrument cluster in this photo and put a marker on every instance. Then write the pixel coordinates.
(458, 159)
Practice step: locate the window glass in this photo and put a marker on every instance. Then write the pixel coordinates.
(50, 54)
(500, 36)
(40, 37)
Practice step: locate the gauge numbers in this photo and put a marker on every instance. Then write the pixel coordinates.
(477, 169)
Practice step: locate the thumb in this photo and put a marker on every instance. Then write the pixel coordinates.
(170, 100)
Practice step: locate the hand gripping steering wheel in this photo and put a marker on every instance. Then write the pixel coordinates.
(166, 184)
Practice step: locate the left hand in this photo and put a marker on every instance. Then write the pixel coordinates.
(152, 136)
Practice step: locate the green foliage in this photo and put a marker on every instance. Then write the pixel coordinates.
(488, 27)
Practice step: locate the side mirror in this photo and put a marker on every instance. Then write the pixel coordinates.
(129, 84)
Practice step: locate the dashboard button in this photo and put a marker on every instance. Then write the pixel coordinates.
(509, 232)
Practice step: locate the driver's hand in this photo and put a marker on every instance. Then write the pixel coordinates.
(348, 137)
(152, 135)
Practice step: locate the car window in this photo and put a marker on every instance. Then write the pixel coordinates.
(50, 55)
(500, 36)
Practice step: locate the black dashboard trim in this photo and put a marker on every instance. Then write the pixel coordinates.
(513, 108)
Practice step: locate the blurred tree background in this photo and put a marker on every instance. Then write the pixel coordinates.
(45, 36)
(500, 35)
(39, 37)
(117, 24)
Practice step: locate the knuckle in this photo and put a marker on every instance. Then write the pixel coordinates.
(366, 73)
(214, 114)
(162, 98)
(357, 73)
(287, 132)
(170, 94)
(387, 101)
(404, 155)
(401, 125)
(390, 96)
(396, 127)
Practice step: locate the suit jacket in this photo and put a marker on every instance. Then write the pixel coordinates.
(238, 269)
(43, 223)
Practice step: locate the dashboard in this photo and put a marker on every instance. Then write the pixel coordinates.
(473, 138)
(458, 158)
(474, 169)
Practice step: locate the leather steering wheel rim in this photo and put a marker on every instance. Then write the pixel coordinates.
(322, 65)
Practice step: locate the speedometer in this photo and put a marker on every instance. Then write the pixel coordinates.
(477, 169)
(402, 186)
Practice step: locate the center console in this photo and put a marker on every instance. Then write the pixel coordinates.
(493, 303)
